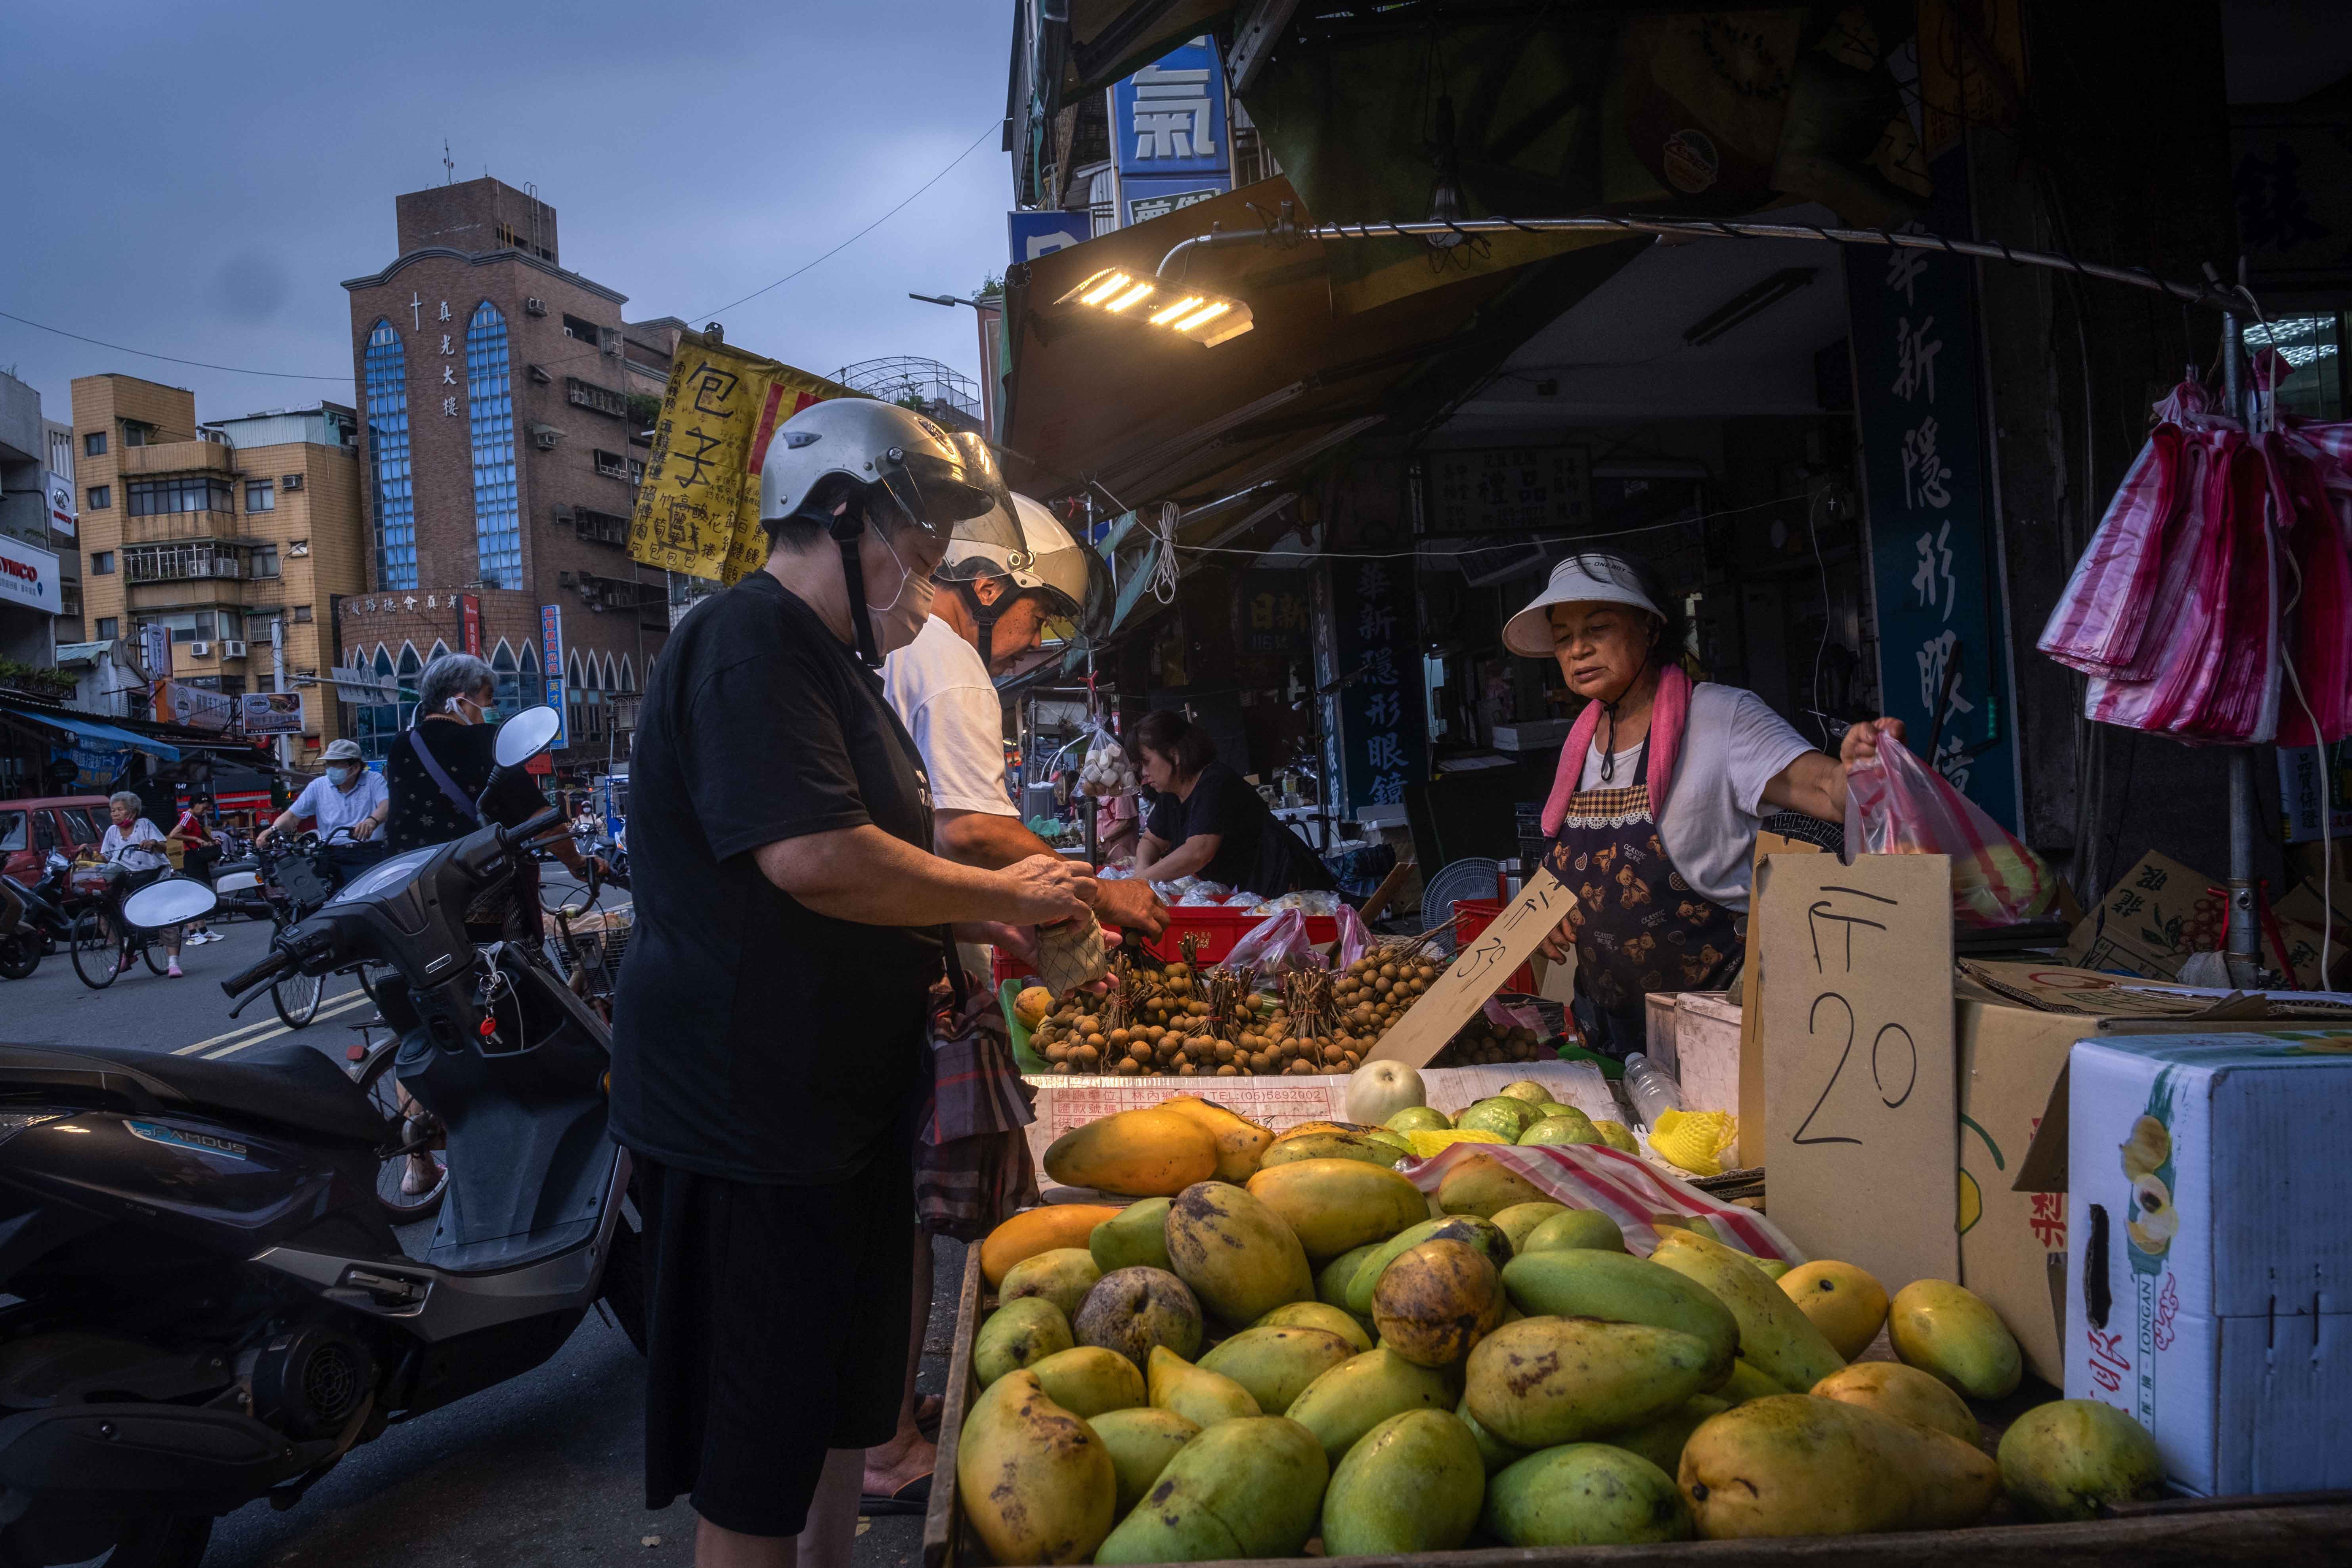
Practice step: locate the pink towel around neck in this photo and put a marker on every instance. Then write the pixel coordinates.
(1669, 714)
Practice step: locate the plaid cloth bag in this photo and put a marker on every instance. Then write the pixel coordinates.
(971, 1156)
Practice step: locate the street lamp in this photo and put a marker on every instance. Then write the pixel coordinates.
(1205, 317)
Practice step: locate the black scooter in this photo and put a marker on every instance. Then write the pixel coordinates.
(36, 918)
(205, 1304)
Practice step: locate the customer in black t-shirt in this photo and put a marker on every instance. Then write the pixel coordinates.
(1208, 822)
(769, 1029)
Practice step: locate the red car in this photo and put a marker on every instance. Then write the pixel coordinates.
(29, 829)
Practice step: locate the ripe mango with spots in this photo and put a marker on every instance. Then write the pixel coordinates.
(1360, 1393)
(1236, 1252)
(1247, 1488)
(1794, 1465)
(1276, 1364)
(1035, 1482)
(1019, 1333)
(1135, 1153)
(1332, 1205)
(1541, 1382)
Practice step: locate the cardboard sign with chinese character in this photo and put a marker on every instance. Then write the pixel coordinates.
(2154, 916)
(699, 509)
(1477, 971)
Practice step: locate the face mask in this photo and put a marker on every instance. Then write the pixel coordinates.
(344, 775)
(896, 623)
(481, 715)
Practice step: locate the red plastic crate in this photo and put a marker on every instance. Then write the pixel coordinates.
(1472, 916)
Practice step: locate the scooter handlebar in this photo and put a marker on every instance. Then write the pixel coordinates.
(272, 965)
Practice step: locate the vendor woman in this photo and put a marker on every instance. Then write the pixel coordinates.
(1661, 787)
(1208, 822)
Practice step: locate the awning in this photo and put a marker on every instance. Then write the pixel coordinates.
(1148, 417)
(92, 731)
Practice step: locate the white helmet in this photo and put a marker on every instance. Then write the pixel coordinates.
(1074, 580)
(855, 447)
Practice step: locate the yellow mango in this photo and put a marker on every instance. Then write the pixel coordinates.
(1583, 1283)
(1087, 1380)
(1905, 1393)
(1141, 1442)
(1236, 1252)
(1136, 1237)
(1204, 1398)
(1577, 1229)
(1413, 1484)
(1248, 1487)
(1241, 1142)
(1275, 1365)
(1544, 1381)
(1017, 1334)
(1035, 1483)
(1844, 1302)
(1041, 1229)
(1480, 1185)
(1520, 1221)
(1774, 1335)
(1585, 1494)
(1319, 1315)
(1062, 1276)
(1794, 1465)
(1947, 1330)
(1360, 1393)
(1365, 1146)
(1334, 1205)
(1135, 1153)
(2061, 1460)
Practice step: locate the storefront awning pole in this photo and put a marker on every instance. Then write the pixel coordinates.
(1283, 231)
(2243, 948)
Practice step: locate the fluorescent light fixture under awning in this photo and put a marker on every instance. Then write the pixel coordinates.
(1200, 314)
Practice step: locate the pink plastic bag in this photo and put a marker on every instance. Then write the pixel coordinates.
(1355, 938)
(1895, 806)
(1279, 942)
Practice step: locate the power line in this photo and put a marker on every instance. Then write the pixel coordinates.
(699, 315)
(173, 359)
(991, 129)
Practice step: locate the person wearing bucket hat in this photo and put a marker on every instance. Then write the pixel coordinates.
(1661, 785)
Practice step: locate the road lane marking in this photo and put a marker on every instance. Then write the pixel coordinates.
(275, 1027)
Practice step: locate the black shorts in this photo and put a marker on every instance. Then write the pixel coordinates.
(777, 1330)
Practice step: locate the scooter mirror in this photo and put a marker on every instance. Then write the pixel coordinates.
(526, 735)
(173, 901)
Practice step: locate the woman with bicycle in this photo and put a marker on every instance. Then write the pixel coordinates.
(132, 856)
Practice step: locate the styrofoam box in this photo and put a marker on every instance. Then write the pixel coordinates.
(2209, 1282)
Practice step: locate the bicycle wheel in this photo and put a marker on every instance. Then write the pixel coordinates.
(94, 953)
(296, 997)
(376, 1076)
(150, 944)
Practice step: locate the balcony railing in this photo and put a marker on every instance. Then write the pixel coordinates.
(179, 565)
(179, 458)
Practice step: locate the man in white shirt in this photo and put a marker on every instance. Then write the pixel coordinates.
(348, 794)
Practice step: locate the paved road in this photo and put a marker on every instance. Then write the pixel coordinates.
(542, 1471)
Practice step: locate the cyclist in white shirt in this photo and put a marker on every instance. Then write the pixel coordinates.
(351, 796)
(132, 853)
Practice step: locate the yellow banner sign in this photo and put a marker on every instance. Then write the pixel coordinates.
(699, 509)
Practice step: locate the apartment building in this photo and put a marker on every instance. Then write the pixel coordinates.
(509, 410)
(236, 538)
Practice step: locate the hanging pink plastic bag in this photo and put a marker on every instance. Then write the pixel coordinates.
(1355, 938)
(1279, 942)
(1895, 806)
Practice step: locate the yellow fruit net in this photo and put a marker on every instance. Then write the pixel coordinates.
(1694, 1140)
(1425, 1144)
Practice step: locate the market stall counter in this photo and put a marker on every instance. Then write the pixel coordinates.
(1260, 1333)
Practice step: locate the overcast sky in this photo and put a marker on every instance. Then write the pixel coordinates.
(197, 179)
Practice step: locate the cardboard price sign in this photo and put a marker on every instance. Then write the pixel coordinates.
(1477, 971)
(1861, 1098)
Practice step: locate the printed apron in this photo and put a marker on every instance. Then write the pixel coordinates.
(1639, 927)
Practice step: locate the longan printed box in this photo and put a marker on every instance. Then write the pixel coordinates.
(2207, 1285)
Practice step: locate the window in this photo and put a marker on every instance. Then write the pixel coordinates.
(81, 826)
(377, 724)
(263, 561)
(636, 473)
(108, 628)
(498, 515)
(187, 626)
(601, 527)
(12, 831)
(186, 492)
(386, 371)
(101, 563)
(301, 614)
(100, 497)
(588, 395)
(260, 495)
(135, 434)
(182, 562)
(612, 465)
(45, 832)
(586, 332)
(94, 443)
(507, 678)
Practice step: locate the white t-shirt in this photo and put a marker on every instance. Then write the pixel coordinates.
(331, 808)
(941, 691)
(130, 848)
(1733, 746)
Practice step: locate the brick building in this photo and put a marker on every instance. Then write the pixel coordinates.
(506, 411)
(217, 530)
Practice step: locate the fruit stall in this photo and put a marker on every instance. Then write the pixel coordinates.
(1370, 1336)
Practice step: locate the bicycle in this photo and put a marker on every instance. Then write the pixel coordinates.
(105, 944)
(298, 876)
(587, 939)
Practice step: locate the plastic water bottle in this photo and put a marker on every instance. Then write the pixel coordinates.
(1651, 1088)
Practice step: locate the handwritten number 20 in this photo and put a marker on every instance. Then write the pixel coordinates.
(1886, 1059)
